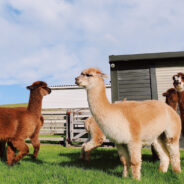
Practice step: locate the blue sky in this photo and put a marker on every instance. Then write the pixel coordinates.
(53, 40)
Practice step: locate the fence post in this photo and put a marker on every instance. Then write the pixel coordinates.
(71, 125)
(68, 138)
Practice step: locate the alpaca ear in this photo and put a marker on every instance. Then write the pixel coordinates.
(104, 76)
(30, 87)
(164, 94)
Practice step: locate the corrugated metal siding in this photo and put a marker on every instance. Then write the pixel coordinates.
(164, 78)
(134, 84)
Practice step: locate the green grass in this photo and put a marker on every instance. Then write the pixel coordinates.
(50, 135)
(15, 105)
(57, 164)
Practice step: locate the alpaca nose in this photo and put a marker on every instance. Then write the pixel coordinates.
(176, 82)
(76, 80)
(49, 90)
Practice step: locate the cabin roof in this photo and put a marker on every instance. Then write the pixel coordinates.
(146, 56)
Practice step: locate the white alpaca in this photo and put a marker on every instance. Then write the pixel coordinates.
(131, 124)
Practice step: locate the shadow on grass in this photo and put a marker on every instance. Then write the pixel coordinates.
(27, 159)
(104, 160)
(147, 158)
(34, 160)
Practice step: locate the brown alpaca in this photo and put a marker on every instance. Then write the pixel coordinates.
(178, 82)
(171, 98)
(16, 125)
(132, 124)
(2, 148)
(32, 138)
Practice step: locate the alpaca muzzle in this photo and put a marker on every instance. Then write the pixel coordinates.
(77, 81)
(49, 90)
(176, 82)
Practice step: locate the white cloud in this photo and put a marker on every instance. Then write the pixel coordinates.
(54, 40)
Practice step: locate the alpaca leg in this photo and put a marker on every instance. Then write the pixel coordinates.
(174, 153)
(23, 150)
(154, 154)
(10, 153)
(124, 157)
(88, 147)
(36, 145)
(162, 154)
(35, 141)
(2, 148)
(135, 158)
(182, 124)
(85, 154)
(82, 155)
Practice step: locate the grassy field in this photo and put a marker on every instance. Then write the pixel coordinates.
(57, 164)
(15, 105)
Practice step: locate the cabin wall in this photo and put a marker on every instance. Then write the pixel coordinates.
(133, 81)
(68, 98)
(134, 84)
(164, 74)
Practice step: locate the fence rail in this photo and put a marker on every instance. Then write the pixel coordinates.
(54, 122)
(68, 123)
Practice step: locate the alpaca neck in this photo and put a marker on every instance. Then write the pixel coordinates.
(172, 104)
(35, 104)
(181, 101)
(98, 101)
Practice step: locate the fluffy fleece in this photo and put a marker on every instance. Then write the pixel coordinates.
(131, 124)
(18, 124)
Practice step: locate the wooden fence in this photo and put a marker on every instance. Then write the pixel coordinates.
(76, 131)
(68, 123)
(54, 124)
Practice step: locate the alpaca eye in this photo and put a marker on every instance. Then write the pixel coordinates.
(182, 77)
(88, 75)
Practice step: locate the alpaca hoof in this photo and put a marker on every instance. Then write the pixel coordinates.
(11, 163)
(177, 170)
(162, 169)
(137, 178)
(33, 156)
(125, 174)
(81, 158)
(87, 159)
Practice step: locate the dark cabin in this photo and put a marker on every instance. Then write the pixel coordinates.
(144, 76)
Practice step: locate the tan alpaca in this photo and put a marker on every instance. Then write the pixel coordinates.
(131, 124)
(96, 138)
